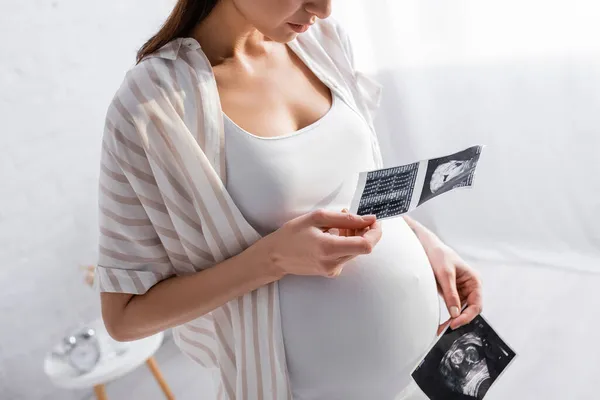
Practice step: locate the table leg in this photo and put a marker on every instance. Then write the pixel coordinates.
(151, 362)
(100, 392)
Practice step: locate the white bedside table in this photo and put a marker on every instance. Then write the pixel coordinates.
(109, 367)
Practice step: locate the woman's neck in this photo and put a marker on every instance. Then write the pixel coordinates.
(225, 34)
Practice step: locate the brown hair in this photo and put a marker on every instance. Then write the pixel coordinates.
(184, 17)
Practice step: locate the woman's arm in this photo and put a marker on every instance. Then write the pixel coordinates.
(180, 299)
(427, 238)
(458, 283)
(301, 247)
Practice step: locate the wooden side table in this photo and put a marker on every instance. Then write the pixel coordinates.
(110, 367)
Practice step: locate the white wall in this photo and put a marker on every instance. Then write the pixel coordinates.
(523, 77)
(537, 193)
(60, 63)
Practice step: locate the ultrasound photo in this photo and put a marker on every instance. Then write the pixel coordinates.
(450, 172)
(388, 192)
(464, 363)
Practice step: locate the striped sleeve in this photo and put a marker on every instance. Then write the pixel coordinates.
(131, 255)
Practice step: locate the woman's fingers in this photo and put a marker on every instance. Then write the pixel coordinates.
(345, 232)
(350, 243)
(341, 246)
(443, 326)
(474, 308)
(372, 233)
(332, 219)
(466, 317)
(446, 279)
(349, 232)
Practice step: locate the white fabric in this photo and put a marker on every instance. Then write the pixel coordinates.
(165, 210)
(358, 336)
(273, 180)
(384, 306)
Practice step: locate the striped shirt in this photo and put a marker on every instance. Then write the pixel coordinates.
(164, 209)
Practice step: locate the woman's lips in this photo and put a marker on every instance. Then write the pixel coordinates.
(299, 28)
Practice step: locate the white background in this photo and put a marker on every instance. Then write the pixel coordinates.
(61, 62)
(522, 77)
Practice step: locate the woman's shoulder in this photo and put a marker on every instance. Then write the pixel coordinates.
(139, 88)
(160, 80)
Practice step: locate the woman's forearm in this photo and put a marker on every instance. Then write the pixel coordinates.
(427, 238)
(180, 299)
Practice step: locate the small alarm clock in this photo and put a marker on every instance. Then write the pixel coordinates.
(80, 350)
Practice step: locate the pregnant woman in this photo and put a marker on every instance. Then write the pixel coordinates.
(229, 154)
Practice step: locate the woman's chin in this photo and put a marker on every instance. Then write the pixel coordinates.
(283, 37)
(283, 34)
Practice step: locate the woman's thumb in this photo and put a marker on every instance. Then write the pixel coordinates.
(450, 294)
(344, 232)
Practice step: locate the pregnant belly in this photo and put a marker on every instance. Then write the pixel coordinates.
(358, 336)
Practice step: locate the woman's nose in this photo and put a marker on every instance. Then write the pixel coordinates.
(320, 8)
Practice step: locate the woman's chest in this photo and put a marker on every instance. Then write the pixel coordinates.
(275, 180)
(272, 98)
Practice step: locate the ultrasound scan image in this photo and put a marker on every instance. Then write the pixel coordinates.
(388, 192)
(464, 367)
(450, 172)
(464, 363)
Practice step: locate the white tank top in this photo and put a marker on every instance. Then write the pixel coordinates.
(359, 335)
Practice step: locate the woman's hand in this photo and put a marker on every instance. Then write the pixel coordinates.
(458, 284)
(307, 245)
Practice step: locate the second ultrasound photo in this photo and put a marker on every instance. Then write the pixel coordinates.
(464, 363)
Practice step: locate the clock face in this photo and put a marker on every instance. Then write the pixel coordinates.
(84, 356)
